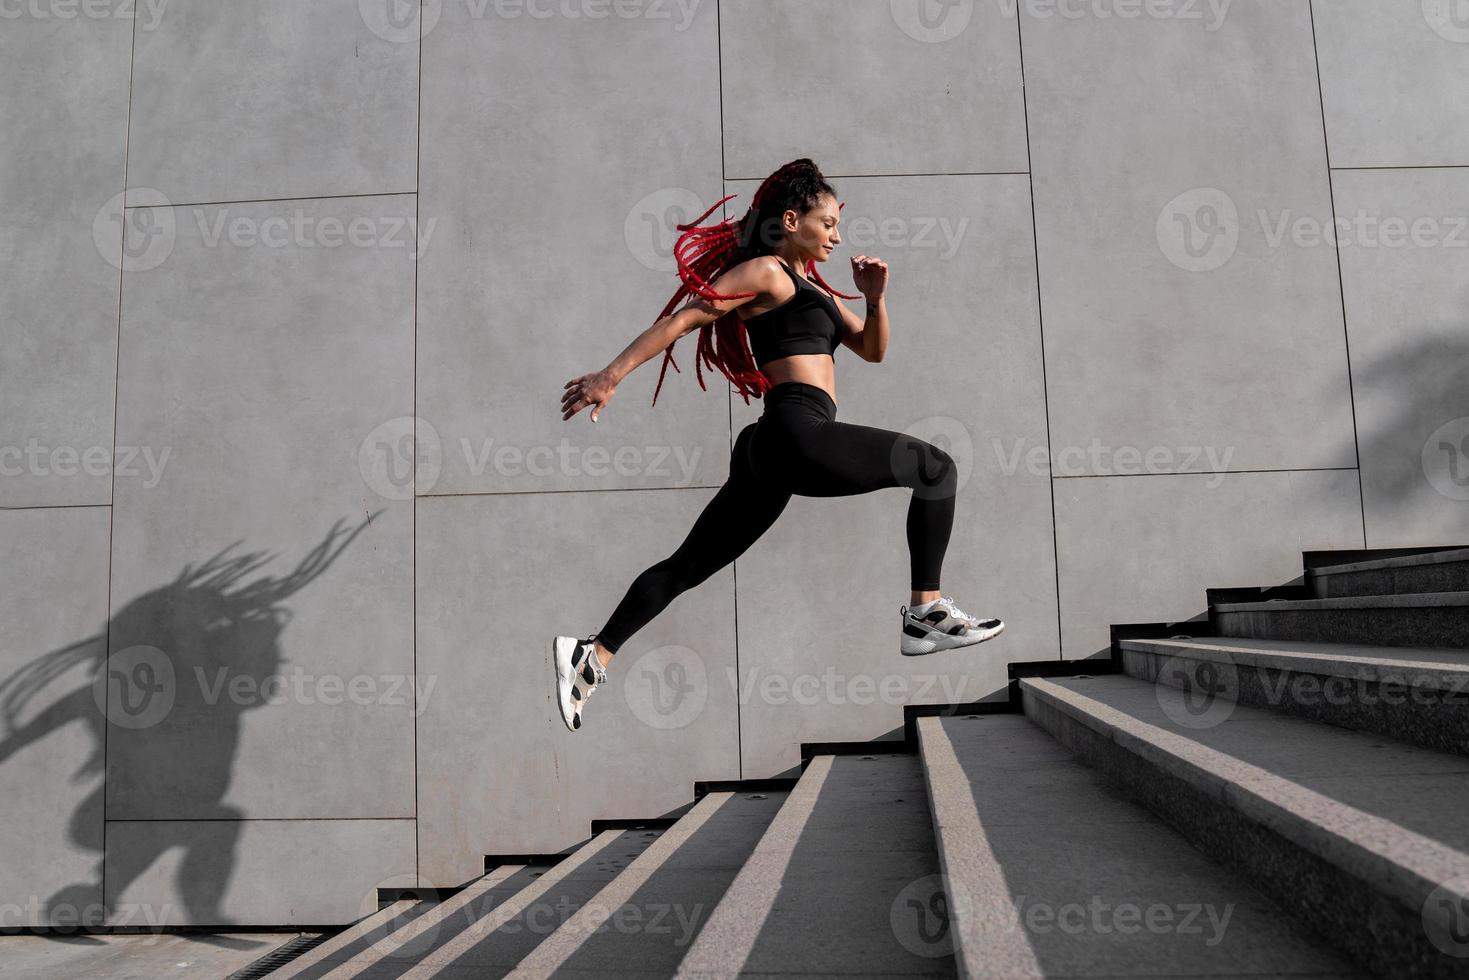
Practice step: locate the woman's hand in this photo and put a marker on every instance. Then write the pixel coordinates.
(870, 274)
(594, 389)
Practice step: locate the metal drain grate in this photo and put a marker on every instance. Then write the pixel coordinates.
(279, 957)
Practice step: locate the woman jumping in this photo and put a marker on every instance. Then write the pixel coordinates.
(797, 446)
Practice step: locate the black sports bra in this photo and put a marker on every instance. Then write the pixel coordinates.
(807, 323)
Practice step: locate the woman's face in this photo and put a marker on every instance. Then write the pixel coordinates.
(816, 231)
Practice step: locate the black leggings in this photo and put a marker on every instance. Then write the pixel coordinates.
(798, 447)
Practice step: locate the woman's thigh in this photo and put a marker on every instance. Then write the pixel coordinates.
(817, 457)
(736, 516)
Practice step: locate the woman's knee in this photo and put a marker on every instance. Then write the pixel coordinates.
(934, 473)
(679, 572)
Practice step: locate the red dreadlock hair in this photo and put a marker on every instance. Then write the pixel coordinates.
(704, 254)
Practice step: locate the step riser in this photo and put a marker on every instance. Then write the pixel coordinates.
(351, 941)
(1425, 626)
(1379, 932)
(1449, 577)
(1436, 720)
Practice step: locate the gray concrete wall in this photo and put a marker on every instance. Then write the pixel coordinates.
(259, 656)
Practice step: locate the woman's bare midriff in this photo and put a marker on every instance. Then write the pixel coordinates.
(812, 369)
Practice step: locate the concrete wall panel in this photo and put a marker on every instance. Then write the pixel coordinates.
(272, 99)
(498, 576)
(554, 195)
(1390, 74)
(64, 116)
(1142, 549)
(1407, 307)
(1167, 154)
(253, 872)
(263, 558)
(802, 79)
(53, 610)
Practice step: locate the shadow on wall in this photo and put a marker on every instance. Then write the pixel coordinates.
(169, 740)
(1415, 459)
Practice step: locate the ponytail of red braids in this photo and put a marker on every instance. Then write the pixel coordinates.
(704, 254)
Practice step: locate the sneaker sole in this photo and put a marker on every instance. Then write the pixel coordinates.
(562, 647)
(910, 647)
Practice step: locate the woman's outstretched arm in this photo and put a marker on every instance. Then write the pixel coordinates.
(597, 388)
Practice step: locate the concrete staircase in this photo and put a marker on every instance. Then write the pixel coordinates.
(1281, 789)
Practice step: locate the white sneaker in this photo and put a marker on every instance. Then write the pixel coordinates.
(578, 672)
(944, 627)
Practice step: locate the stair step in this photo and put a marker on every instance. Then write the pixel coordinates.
(1436, 571)
(1413, 694)
(1424, 619)
(643, 921)
(1362, 837)
(351, 941)
(1106, 890)
(844, 881)
(503, 926)
(411, 939)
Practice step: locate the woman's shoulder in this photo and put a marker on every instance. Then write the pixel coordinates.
(767, 273)
(764, 266)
